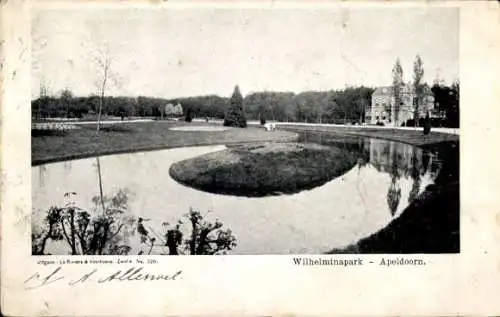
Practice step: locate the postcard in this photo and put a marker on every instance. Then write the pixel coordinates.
(249, 158)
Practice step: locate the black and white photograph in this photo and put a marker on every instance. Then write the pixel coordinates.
(256, 131)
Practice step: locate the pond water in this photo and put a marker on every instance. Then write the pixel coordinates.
(387, 177)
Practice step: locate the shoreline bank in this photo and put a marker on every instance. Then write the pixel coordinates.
(83, 143)
(411, 137)
(139, 137)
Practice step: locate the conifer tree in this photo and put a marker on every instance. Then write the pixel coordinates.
(234, 115)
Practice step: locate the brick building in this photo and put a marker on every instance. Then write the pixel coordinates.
(382, 108)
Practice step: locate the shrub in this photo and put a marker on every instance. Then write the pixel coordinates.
(189, 115)
(436, 122)
(262, 120)
(380, 123)
(427, 129)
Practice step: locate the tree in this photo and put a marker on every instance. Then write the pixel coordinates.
(102, 60)
(169, 110)
(397, 82)
(262, 119)
(66, 101)
(324, 106)
(43, 100)
(86, 232)
(418, 74)
(104, 64)
(234, 115)
(40, 236)
(206, 238)
(454, 113)
(447, 100)
(427, 124)
(178, 110)
(189, 115)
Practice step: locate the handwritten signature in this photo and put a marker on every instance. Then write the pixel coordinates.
(38, 280)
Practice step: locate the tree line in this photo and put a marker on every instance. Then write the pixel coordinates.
(347, 105)
(447, 103)
(332, 106)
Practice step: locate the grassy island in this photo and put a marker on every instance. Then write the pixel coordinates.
(256, 170)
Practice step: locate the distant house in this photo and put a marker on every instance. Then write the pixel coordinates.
(382, 108)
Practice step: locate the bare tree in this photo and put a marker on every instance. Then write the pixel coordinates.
(397, 81)
(418, 74)
(43, 99)
(104, 63)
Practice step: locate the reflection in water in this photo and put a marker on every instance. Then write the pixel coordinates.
(388, 176)
(41, 175)
(67, 166)
(394, 158)
(99, 177)
(394, 192)
(417, 169)
(393, 195)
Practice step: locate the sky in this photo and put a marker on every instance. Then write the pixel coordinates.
(187, 52)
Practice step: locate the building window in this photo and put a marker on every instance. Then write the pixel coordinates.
(377, 117)
(383, 118)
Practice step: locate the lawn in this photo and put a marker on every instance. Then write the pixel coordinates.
(263, 169)
(136, 136)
